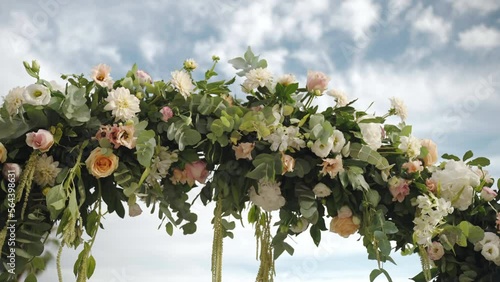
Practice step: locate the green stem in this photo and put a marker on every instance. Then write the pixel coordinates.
(58, 263)
(217, 246)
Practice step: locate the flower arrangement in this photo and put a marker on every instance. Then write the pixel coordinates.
(66, 150)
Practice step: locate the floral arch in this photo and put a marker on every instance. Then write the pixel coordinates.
(67, 150)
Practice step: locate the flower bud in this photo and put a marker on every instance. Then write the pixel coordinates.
(35, 66)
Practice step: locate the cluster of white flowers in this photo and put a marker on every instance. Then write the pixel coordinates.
(489, 247)
(161, 164)
(269, 197)
(284, 137)
(399, 108)
(257, 77)
(411, 146)
(457, 182)
(433, 210)
(122, 104)
(46, 171)
(340, 97)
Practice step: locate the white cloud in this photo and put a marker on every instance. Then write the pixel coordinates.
(479, 37)
(481, 6)
(429, 23)
(151, 47)
(356, 17)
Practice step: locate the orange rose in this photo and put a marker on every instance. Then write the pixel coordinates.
(432, 156)
(288, 163)
(101, 165)
(344, 226)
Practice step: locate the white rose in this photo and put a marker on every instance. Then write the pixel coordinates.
(372, 134)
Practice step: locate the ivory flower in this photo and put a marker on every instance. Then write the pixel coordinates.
(244, 150)
(287, 79)
(338, 141)
(321, 190)
(182, 82)
(268, 197)
(399, 108)
(490, 251)
(14, 100)
(122, 104)
(36, 95)
(46, 171)
(340, 97)
(332, 166)
(101, 165)
(317, 81)
(488, 194)
(372, 134)
(41, 140)
(432, 155)
(411, 146)
(101, 76)
(259, 77)
(413, 166)
(322, 150)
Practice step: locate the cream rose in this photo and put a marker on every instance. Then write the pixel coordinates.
(41, 140)
(288, 163)
(432, 155)
(3, 153)
(101, 165)
(317, 81)
(344, 226)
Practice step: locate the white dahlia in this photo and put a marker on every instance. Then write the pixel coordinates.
(122, 104)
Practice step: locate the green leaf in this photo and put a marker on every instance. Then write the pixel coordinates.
(189, 228)
(38, 263)
(467, 155)
(365, 153)
(450, 157)
(90, 266)
(56, 201)
(374, 274)
(315, 234)
(170, 228)
(145, 147)
(30, 278)
(481, 161)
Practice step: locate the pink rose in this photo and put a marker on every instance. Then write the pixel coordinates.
(143, 77)
(166, 113)
(488, 194)
(399, 190)
(435, 251)
(11, 171)
(41, 140)
(431, 185)
(317, 81)
(196, 171)
(413, 166)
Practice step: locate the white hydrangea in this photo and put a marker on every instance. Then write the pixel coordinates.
(268, 197)
(432, 214)
(457, 182)
(340, 97)
(411, 146)
(372, 134)
(14, 100)
(399, 108)
(284, 137)
(257, 77)
(338, 141)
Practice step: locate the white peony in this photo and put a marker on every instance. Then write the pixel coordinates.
(457, 181)
(46, 171)
(257, 77)
(338, 141)
(321, 190)
(372, 134)
(182, 82)
(122, 104)
(269, 196)
(322, 150)
(36, 95)
(399, 108)
(14, 100)
(340, 97)
(411, 146)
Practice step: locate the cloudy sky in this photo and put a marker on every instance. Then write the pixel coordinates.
(442, 58)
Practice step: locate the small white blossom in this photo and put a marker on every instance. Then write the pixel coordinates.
(101, 75)
(399, 108)
(257, 77)
(284, 137)
(287, 79)
(490, 251)
(322, 150)
(340, 97)
(338, 141)
(372, 134)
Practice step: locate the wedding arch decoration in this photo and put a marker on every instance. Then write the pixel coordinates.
(72, 153)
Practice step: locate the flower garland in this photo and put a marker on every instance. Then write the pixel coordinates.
(66, 149)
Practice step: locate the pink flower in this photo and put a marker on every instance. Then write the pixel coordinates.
(102, 132)
(488, 194)
(196, 171)
(166, 113)
(435, 251)
(413, 166)
(112, 135)
(41, 140)
(431, 185)
(143, 77)
(399, 190)
(100, 74)
(317, 81)
(125, 136)
(432, 155)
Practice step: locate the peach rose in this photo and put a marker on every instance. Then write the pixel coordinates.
(41, 140)
(399, 190)
(412, 167)
(332, 166)
(166, 113)
(288, 163)
(3, 153)
(317, 81)
(345, 226)
(196, 171)
(101, 165)
(244, 150)
(432, 155)
(431, 185)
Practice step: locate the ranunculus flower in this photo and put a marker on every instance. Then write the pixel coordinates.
(345, 226)
(317, 81)
(288, 163)
(244, 150)
(101, 75)
(143, 77)
(488, 194)
(166, 113)
(3, 153)
(196, 171)
(321, 190)
(399, 189)
(101, 165)
(36, 95)
(413, 166)
(432, 155)
(41, 140)
(332, 166)
(435, 251)
(11, 170)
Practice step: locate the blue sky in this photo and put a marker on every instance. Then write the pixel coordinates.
(442, 58)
